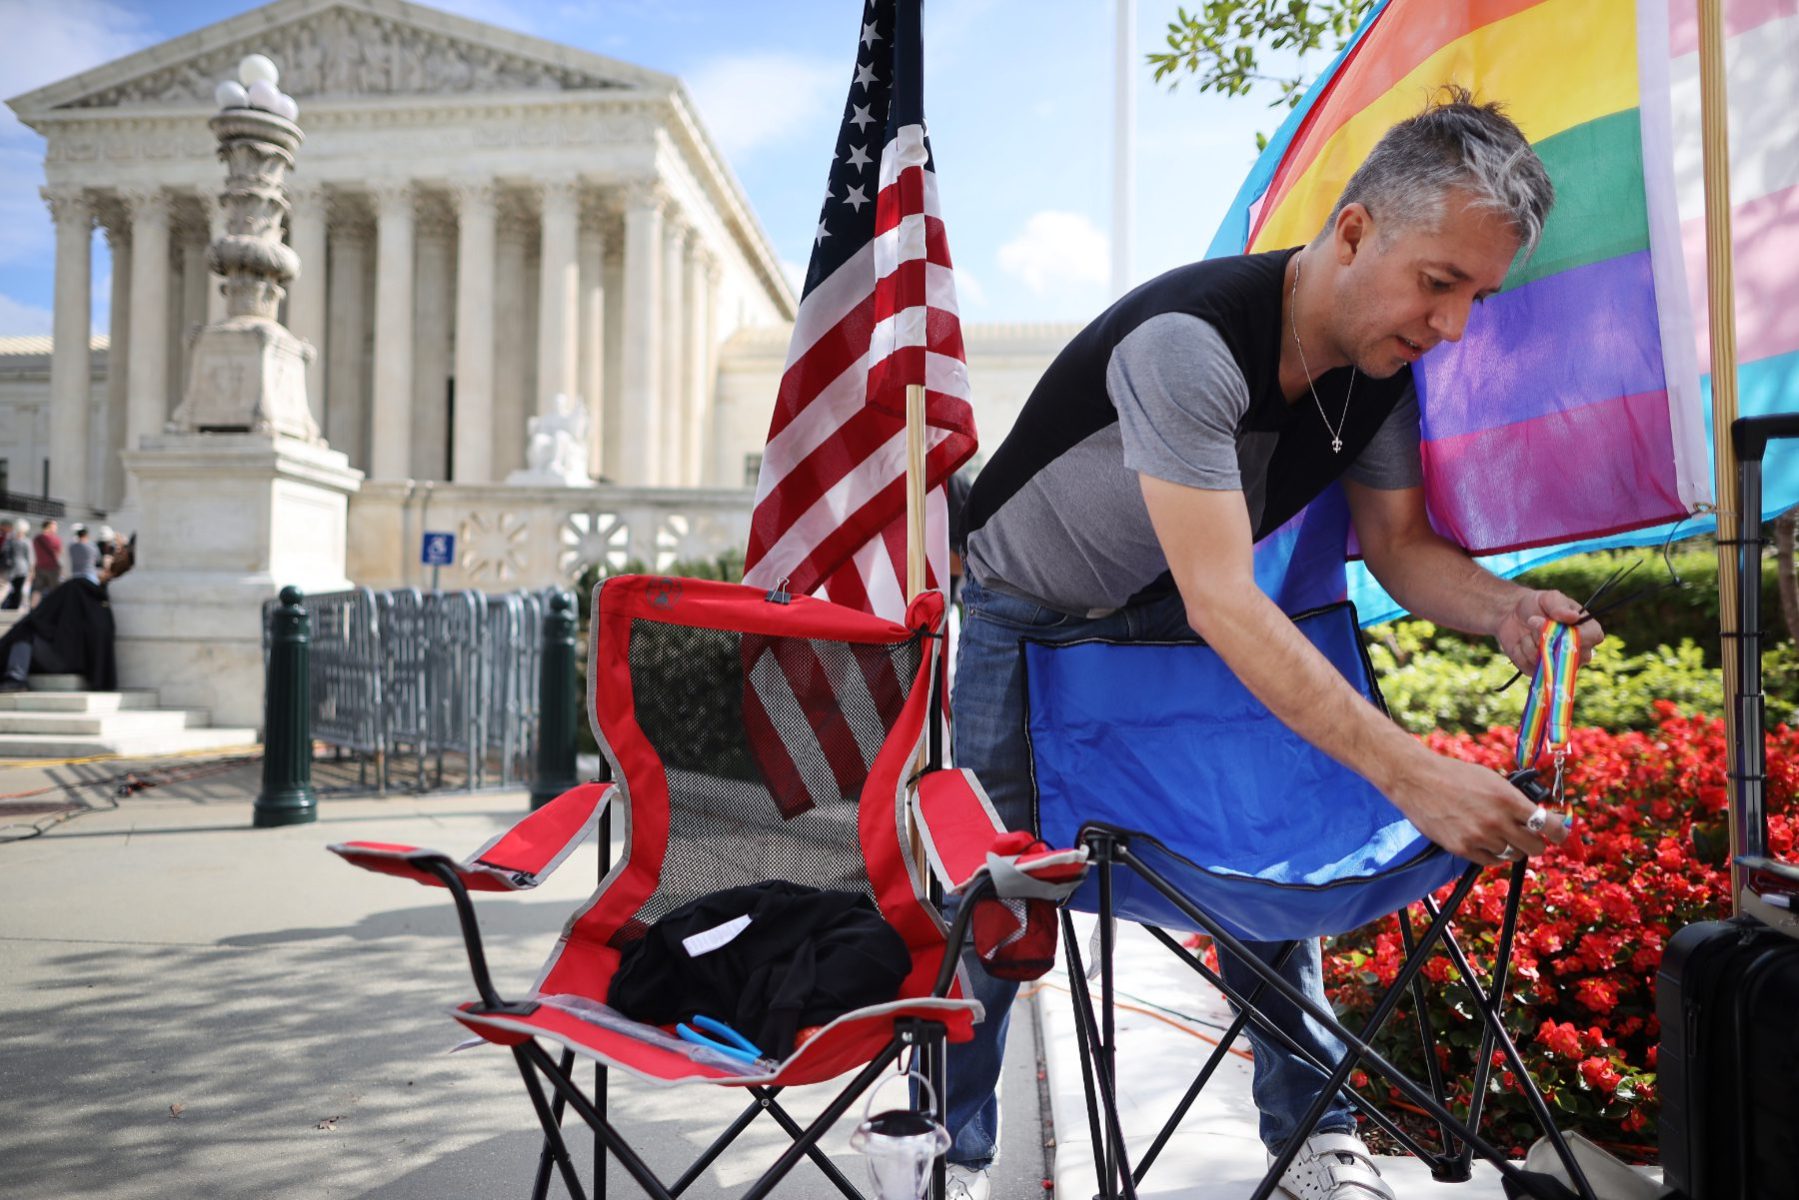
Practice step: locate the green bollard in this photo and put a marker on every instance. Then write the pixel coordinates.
(287, 797)
(556, 704)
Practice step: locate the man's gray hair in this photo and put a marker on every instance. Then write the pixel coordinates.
(1453, 144)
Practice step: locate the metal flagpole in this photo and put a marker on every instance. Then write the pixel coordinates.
(1124, 119)
(916, 558)
(1714, 115)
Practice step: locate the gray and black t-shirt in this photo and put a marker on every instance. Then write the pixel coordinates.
(1179, 380)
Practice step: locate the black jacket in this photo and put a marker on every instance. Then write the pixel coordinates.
(807, 956)
(76, 619)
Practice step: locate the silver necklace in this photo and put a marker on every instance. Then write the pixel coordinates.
(1293, 321)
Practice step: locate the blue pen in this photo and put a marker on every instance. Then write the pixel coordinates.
(734, 1044)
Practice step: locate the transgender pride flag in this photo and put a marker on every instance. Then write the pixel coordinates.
(1573, 412)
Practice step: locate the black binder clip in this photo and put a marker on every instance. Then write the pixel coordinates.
(778, 594)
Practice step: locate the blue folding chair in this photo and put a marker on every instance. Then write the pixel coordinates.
(1204, 812)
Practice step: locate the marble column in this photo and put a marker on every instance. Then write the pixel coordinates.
(147, 394)
(476, 202)
(434, 302)
(195, 278)
(71, 367)
(390, 425)
(215, 284)
(175, 300)
(590, 336)
(346, 411)
(558, 296)
(640, 427)
(510, 400)
(612, 456)
(671, 399)
(698, 376)
(306, 292)
(111, 493)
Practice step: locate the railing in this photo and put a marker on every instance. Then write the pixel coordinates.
(535, 537)
(403, 678)
(32, 506)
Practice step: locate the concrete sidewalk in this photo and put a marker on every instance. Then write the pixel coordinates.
(190, 1007)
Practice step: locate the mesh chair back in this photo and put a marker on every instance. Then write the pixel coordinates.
(753, 741)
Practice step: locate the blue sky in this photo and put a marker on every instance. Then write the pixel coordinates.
(1018, 101)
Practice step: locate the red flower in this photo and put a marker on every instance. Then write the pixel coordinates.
(1600, 1074)
(1563, 1039)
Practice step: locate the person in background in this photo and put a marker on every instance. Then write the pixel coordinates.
(46, 550)
(84, 557)
(16, 560)
(69, 633)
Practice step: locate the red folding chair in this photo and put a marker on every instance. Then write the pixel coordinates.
(751, 737)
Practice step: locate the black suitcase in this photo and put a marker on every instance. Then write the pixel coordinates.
(1727, 992)
(1727, 996)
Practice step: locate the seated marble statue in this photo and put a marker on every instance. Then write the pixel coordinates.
(557, 446)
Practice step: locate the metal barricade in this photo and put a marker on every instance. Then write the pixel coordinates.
(403, 655)
(454, 694)
(508, 665)
(404, 674)
(346, 672)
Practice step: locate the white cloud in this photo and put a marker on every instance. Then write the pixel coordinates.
(48, 42)
(1057, 249)
(969, 292)
(18, 319)
(748, 101)
(45, 43)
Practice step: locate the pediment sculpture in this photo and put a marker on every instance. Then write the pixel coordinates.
(342, 53)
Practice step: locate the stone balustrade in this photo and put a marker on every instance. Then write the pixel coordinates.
(511, 537)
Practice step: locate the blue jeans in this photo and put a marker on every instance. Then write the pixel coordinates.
(989, 739)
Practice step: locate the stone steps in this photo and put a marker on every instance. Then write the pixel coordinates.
(126, 723)
(38, 700)
(155, 745)
(60, 718)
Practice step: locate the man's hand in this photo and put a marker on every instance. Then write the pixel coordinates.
(1522, 625)
(1469, 810)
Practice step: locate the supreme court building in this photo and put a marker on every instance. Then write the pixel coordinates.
(484, 221)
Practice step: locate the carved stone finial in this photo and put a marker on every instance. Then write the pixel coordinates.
(248, 372)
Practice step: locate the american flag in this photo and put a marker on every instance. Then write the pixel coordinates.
(878, 313)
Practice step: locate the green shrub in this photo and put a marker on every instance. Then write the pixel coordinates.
(1665, 617)
(1437, 681)
(727, 567)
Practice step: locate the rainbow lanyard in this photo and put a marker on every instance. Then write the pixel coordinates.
(1548, 718)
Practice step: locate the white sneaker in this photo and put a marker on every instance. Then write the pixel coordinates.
(1334, 1166)
(967, 1183)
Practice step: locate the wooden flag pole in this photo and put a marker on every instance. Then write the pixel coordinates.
(1714, 114)
(915, 481)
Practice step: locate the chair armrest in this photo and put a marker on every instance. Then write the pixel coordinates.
(964, 840)
(956, 822)
(517, 860)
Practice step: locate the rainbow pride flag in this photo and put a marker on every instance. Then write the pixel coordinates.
(1573, 412)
